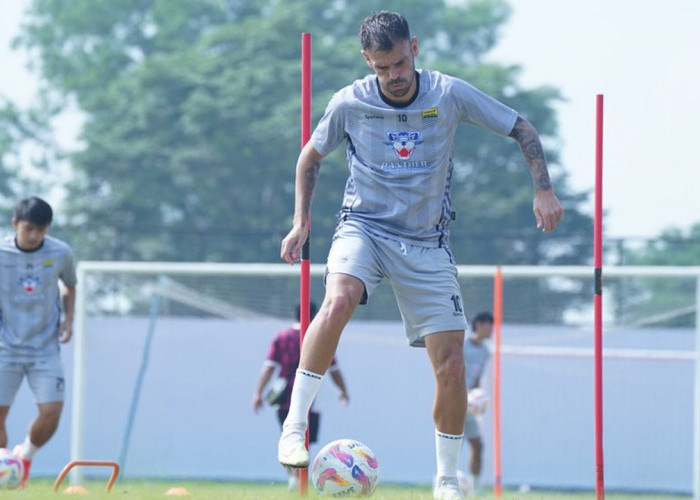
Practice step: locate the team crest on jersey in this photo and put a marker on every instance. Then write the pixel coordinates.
(403, 143)
(29, 283)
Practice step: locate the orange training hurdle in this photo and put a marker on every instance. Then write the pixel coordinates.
(90, 463)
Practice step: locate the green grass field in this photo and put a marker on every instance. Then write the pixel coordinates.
(43, 488)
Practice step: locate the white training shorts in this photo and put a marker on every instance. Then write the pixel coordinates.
(424, 279)
(45, 378)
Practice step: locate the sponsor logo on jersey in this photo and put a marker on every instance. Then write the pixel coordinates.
(47, 263)
(405, 165)
(29, 282)
(429, 113)
(403, 143)
(373, 117)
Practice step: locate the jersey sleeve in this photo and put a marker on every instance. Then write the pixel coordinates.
(274, 352)
(68, 274)
(483, 110)
(330, 131)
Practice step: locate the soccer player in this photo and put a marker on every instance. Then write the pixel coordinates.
(284, 354)
(31, 265)
(399, 125)
(476, 355)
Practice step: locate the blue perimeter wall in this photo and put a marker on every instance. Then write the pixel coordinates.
(195, 417)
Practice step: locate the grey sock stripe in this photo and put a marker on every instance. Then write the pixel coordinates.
(309, 374)
(449, 436)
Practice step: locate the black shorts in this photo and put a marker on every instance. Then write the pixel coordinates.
(314, 418)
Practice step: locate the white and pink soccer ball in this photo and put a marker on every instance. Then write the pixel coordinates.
(11, 470)
(477, 401)
(345, 468)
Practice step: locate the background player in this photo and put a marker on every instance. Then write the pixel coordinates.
(31, 329)
(476, 355)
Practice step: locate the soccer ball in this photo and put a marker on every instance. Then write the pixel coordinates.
(11, 470)
(345, 468)
(477, 401)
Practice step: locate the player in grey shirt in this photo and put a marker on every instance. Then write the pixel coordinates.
(399, 128)
(31, 265)
(400, 158)
(476, 356)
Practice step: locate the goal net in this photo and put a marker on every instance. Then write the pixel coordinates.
(167, 355)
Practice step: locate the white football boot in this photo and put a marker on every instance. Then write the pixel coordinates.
(447, 488)
(291, 450)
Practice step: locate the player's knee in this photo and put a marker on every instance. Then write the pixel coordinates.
(51, 411)
(451, 370)
(339, 307)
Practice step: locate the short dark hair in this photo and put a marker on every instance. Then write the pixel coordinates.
(381, 30)
(482, 317)
(34, 210)
(312, 310)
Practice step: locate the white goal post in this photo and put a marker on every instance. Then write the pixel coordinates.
(86, 269)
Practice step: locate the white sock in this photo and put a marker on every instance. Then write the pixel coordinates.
(476, 486)
(306, 386)
(447, 448)
(28, 449)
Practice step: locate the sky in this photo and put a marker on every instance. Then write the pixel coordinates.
(644, 57)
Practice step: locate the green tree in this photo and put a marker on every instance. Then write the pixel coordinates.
(674, 247)
(11, 132)
(192, 125)
(25, 141)
(670, 300)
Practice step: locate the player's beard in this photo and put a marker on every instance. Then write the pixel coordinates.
(402, 91)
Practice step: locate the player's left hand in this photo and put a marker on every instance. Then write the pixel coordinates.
(547, 209)
(293, 243)
(65, 332)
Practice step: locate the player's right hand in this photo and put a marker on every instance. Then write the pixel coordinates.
(65, 332)
(547, 209)
(292, 243)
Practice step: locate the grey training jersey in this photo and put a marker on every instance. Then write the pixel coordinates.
(400, 158)
(30, 298)
(475, 358)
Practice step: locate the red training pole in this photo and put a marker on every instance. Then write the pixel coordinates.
(497, 321)
(305, 282)
(598, 299)
(305, 299)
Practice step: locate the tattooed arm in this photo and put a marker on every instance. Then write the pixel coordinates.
(308, 166)
(546, 206)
